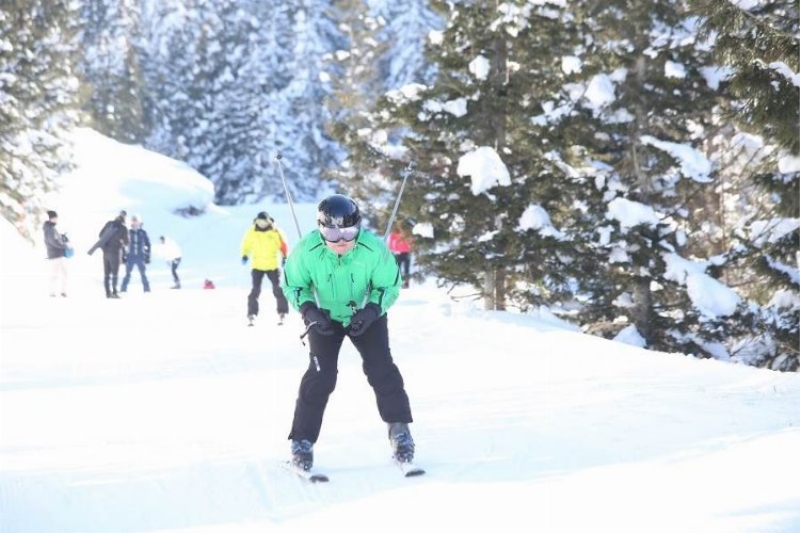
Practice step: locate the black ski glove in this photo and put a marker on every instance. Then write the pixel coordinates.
(314, 316)
(363, 319)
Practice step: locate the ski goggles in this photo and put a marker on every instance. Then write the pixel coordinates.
(347, 234)
(263, 224)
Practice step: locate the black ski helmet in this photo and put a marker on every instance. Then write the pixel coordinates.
(338, 211)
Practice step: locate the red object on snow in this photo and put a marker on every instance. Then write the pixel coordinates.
(208, 284)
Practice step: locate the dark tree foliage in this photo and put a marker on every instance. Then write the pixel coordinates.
(489, 85)
(112, 89)
(37, 104)
(761, 47)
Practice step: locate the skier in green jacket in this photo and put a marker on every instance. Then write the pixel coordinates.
(342, 279)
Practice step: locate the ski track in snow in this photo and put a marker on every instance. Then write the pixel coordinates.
(153, 384)
(167, 413)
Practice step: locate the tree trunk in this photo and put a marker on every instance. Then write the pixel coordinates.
(494, 290)
(495, 278)
(500, 289)
(488, 290)
(643, 308)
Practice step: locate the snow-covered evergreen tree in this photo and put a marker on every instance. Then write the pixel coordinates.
(404, 27)
(356, 84)
(758, 43)
(598, 117)
(231, 84)
(110, 69)
(298, 109)
(183, 65)
(493, 75)
(38, 105)
(647, 87)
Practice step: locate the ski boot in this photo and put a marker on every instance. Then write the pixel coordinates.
(302, 454)
(401, 441)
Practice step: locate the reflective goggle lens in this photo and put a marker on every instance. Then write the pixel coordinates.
(261, 223)
(347, 234)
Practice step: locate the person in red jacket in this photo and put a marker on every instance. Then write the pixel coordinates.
(401, 244)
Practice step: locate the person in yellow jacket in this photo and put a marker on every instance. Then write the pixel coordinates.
(265, 248)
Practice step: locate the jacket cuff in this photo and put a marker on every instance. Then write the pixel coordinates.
(305, 306)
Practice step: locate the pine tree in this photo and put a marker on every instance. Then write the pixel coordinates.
(37, 104)
(356, 84)
(239, 83)
(648, 56)
(182, 66)
(110, 69)
(232, 126)
(300, 115)
(589, 110)
(405, 27)
(758, 43)
(489, 83)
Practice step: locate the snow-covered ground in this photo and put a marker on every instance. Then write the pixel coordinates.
(164, 412)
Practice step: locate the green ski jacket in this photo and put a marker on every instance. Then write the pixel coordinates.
(341, 283)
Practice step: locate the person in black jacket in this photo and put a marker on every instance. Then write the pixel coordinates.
(56, 245)
(114, 237)
(137, 254)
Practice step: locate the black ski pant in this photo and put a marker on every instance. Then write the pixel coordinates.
(404, 262)
(318, 384)
(111, 262)
(255, 291)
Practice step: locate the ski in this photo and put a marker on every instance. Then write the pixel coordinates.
(409, 469)
(308, 475)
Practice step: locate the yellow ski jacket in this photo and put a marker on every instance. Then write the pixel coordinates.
(263, 248)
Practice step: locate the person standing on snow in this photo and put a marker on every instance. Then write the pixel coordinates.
(342, 279)
(262, 243)
(56, 245)
(113, 240)
(169, 251)
(138, 253)
(401, 244)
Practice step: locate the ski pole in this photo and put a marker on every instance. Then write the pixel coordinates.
(278, 158)
(302, 336)
(406, 172)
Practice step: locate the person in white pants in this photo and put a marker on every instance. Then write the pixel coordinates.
(56, 245)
